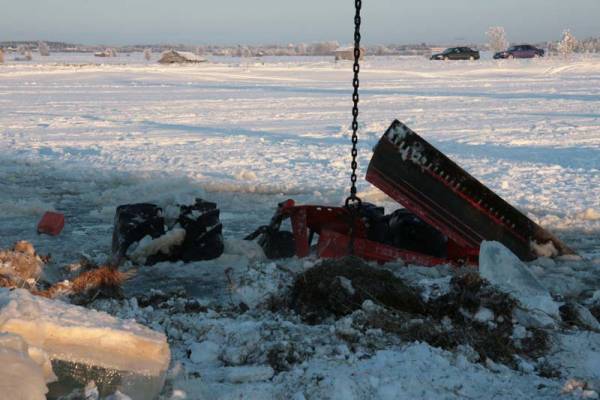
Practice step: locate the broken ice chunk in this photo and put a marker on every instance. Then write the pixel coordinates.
(503, 269)
(76, 338)
(21, 377)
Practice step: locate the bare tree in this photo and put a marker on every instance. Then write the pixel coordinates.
(301, 49)
(110, 52)
(44, 49)
(1, 56)
(324, 48)
(567, 44)
(148, 54)
(497, 38)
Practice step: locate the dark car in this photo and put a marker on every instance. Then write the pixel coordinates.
(520, 51)
(457, 53)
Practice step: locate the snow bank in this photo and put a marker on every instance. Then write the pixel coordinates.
(417, 371)
(577, 355)
(75, 334)
(503, 269)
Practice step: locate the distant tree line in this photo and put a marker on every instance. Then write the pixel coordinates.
(568, 44)
(497, 41)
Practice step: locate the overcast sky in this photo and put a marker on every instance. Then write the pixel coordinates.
(282, 21)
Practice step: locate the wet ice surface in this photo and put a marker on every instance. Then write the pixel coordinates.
(84, 139)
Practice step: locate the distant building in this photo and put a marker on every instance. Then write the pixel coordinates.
(347, 53)
(180, 57)
(106, 53)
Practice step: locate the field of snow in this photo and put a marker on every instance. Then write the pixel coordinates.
(82, 138)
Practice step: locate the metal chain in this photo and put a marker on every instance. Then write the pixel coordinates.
(353, 201)
(353, 198)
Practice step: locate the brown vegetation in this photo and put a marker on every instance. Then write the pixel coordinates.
(340, 287)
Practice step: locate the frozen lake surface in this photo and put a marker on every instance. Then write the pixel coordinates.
(82, 138)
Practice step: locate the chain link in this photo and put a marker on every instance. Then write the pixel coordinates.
(353, 201)
(353, 198)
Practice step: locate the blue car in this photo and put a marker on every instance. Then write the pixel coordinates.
(520, 51)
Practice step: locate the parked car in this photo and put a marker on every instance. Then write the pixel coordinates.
(520, 51)
(457, 53)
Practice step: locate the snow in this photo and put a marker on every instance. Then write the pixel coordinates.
(590, 214)
(544, 249)
(484, 315)
(163, 244)
(82, 135)
(206, 352)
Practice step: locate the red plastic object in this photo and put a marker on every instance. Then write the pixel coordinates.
(52, 223)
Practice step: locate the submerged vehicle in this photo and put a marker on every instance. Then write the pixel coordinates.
(520, 51)
(457, 53)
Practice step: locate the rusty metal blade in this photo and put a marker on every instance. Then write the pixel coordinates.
(421, 178)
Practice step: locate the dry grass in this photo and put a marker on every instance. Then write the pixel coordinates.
(88, 285)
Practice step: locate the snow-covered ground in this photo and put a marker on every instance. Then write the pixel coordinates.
(81, 138)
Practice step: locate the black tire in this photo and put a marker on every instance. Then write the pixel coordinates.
(279, 244)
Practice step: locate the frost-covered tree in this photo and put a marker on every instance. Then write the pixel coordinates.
(324, 48)
(497, 38)
(243, 51)
(301, 49)
(44, 49)
(567, 44)
(148, 54)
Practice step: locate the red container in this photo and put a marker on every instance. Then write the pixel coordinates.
(52, 223)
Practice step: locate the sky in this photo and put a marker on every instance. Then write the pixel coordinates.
(283, 21)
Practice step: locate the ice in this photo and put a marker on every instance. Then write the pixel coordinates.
(484, 315)
(118, 396)
(22, 377)
(82, 139)
(75, 335)
(590, 214)
(248, 374)
(577, 354)
(206, 352)
(503, 269)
